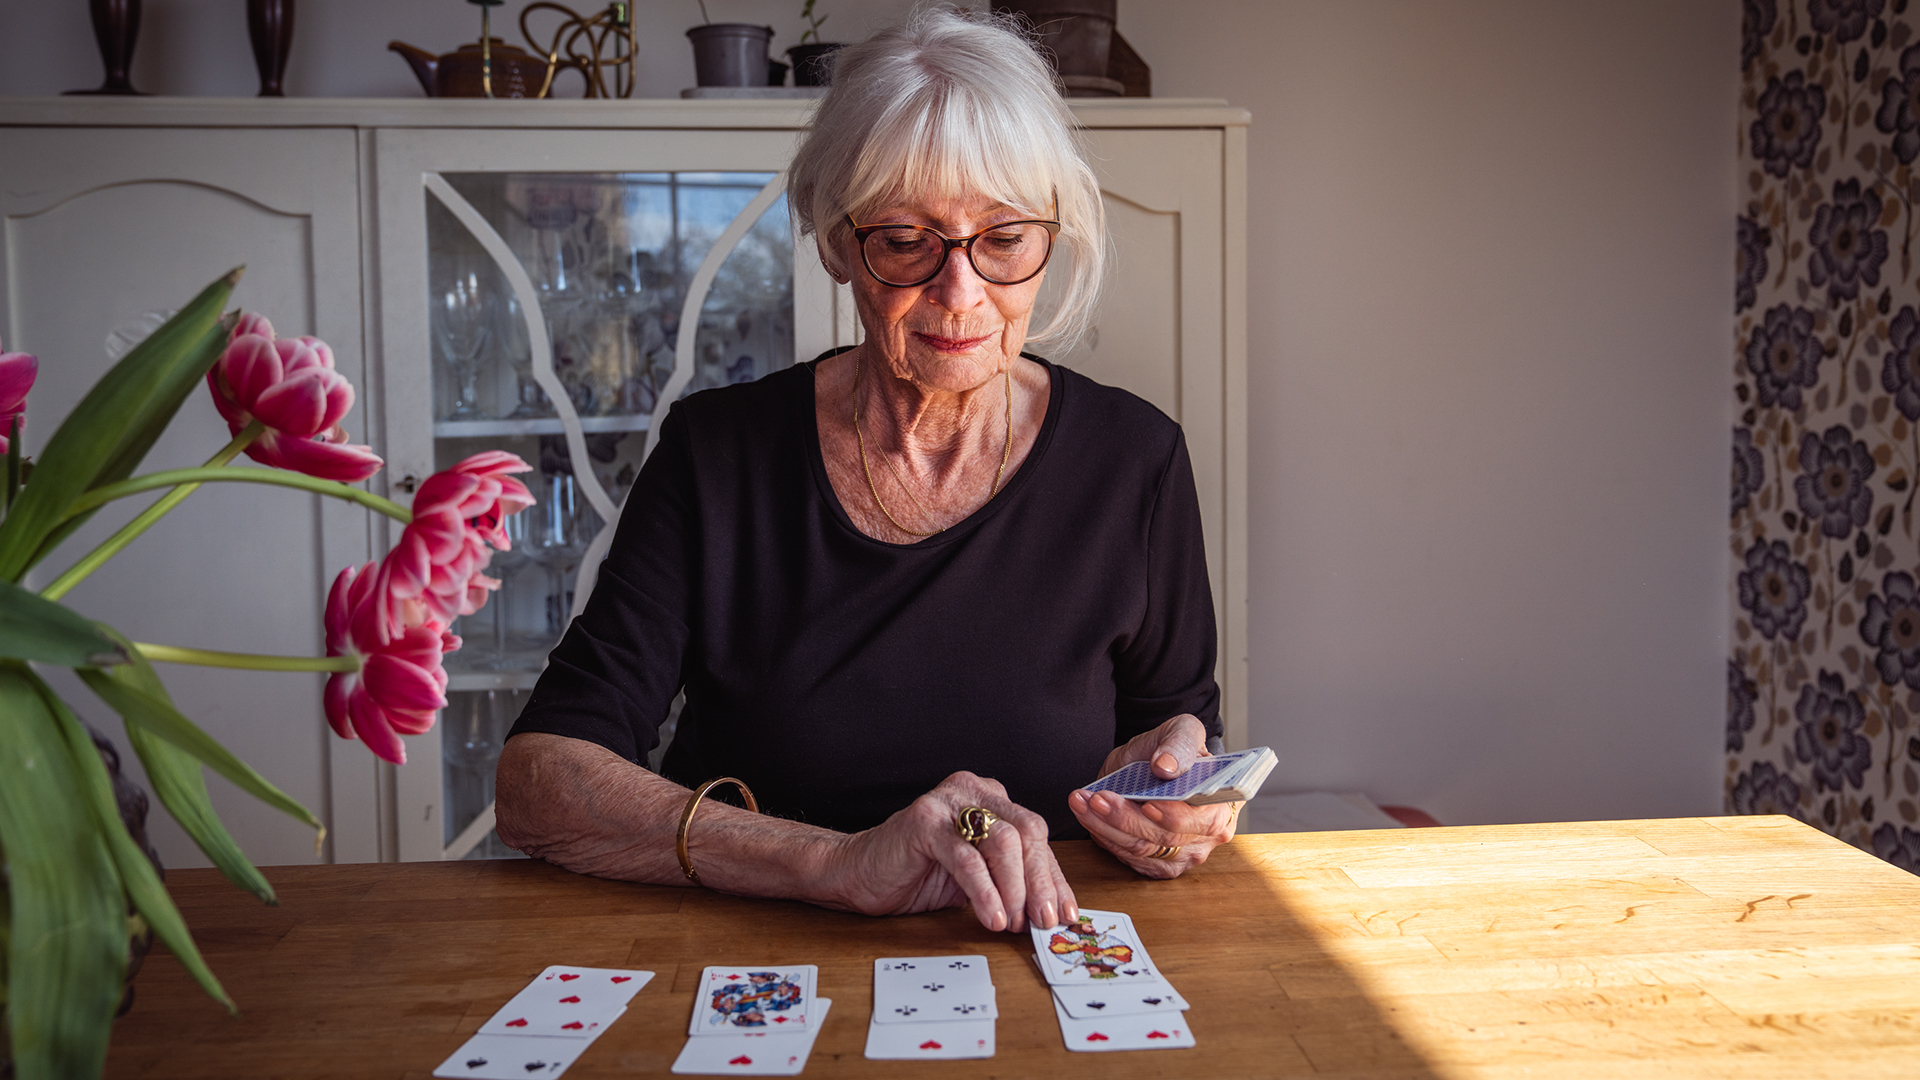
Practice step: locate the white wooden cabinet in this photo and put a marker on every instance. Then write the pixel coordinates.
(113, 210)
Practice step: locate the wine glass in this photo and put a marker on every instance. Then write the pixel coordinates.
(463, 328)
(530, 400)
(562, 532)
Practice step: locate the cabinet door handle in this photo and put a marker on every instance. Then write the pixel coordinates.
(408, 483)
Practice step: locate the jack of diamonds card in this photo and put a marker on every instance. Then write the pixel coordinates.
(1098, 947)
(746, 998)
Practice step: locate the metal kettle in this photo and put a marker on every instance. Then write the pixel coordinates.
(516, 72)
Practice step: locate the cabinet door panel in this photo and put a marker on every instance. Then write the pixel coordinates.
(104, 229)
(1160, 327)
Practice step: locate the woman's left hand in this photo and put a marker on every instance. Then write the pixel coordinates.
(1135, 831)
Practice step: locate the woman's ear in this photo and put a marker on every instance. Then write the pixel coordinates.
(828, 261)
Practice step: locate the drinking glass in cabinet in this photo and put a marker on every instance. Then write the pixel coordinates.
(463, 319)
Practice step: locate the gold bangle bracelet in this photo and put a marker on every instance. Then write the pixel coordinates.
(686, 819)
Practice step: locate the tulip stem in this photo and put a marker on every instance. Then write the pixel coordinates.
(94, 559)
(171, 654)
(215, 474)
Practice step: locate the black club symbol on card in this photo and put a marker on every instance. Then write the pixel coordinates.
(1150, 1001)
(966, 1010)
(934, 988)
(960, 965)
(903, 967)
(536, 1066)
(906, 1010)
(474, 1063)
(1096, 1004)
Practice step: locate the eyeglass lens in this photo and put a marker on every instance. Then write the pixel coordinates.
(906, 255)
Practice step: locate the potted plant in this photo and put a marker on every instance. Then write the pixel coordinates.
(812, 58)
(77, 885)
(729, 54)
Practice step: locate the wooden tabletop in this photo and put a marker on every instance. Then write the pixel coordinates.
(1739, 947)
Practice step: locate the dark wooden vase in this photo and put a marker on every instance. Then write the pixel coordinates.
(116, 26)
(270, 26)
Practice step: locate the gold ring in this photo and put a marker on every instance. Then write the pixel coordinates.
(1165, 852)
(974, 822)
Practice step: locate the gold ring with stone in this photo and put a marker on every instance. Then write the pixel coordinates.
(974, 822)
(1165, 852)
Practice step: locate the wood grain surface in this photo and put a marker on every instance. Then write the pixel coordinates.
(1739, 947)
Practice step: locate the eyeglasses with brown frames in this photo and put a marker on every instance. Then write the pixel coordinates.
(907, 256)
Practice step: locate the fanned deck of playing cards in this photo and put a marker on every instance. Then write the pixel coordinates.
(931, 1007)
(543, 1028)
(753, 1020)
(1107, 993)
(1234, 777)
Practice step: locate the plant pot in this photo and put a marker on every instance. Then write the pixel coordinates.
(1078, 37)
(730, 54)
(776, 73)
(813, 63)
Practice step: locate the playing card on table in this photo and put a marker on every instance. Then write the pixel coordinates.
(1100, 948)
(570, 1002)
(1146, 1031)
(915, 989)
(753, 997)
(1134, 998)
(511, 1057)
(946, 1039)
(752, 1053)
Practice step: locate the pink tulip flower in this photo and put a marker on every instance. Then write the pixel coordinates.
(401, 685)
(17, 372)
(289, 385)
(457, 513)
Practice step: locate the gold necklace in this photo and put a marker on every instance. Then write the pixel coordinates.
(1006, 452)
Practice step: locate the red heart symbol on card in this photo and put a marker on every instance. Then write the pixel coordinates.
(930, 1045)
(568, 978)
(622, 978)
(1096, 1037)
(571, 999)
(575, 1026)
(516, 1023)
(741, 1060)
(1158, 1035)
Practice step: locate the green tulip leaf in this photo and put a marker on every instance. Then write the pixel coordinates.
(137, 872)
(67, 957)
(158, 716)
(34, 628)
(114, 426)
(178, 781)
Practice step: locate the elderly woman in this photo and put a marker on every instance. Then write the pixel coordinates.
(917, 592)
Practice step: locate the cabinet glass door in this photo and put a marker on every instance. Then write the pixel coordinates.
(551, 294)
(614, 263)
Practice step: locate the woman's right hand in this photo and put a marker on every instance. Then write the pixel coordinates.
(916, 861)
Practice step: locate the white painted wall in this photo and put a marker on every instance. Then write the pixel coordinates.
(1491, 322)
(1490, 281)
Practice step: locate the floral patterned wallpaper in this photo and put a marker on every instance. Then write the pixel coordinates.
(1823, 681)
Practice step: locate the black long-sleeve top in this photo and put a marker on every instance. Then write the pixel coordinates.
(841, 676)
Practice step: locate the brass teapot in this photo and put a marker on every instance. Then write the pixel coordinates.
(516, 72)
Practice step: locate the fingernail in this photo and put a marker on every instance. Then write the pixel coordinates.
(1166, 761)
(1048, 912)
(1153, 812)
(1102, 803)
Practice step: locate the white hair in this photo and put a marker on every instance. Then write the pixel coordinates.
(953, 104)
